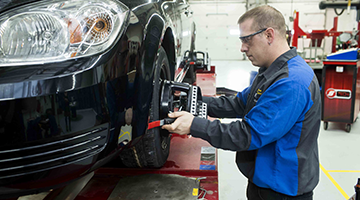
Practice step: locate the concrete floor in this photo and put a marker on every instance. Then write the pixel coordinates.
(338, 150)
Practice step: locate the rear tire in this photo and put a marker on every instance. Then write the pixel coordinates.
(152, 149)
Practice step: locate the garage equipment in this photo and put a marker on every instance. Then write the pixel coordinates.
(341, 88)
(357, 189)
(199, 59)
(190, 65)
(161, 122)
(356, 196)
(179, 97)
(189, 99)
(316, 37)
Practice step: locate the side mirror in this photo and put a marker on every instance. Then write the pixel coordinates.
(344, 37)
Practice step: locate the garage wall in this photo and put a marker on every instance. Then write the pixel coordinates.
(217, 29)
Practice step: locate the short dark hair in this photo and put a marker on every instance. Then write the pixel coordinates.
(264, 17)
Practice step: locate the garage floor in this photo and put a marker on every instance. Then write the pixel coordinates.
(339, 151)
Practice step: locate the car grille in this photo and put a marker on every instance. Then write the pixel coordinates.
(41, 157)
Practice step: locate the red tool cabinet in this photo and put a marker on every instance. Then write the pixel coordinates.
(340, 92)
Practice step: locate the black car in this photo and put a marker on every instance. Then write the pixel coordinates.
(79, 82)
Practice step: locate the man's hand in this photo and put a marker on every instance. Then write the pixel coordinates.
(181, 125)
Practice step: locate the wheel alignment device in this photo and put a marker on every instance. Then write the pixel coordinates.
(179, 97)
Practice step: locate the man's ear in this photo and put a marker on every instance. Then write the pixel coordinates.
(270, 34)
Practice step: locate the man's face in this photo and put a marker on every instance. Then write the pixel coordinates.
(253, 46)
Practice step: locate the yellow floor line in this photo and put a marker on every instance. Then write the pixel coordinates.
(343, 171)
(334, 182)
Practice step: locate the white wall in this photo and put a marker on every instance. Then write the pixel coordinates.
(216, 24)
(213, 29)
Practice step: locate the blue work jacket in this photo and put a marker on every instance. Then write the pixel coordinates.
(276, 140)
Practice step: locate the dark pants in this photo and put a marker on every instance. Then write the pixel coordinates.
(254, 192)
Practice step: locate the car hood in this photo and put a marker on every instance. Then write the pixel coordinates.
(8, 4)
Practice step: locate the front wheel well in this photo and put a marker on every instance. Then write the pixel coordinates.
(168, 43)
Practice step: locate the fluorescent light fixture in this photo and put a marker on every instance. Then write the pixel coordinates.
(310, 30)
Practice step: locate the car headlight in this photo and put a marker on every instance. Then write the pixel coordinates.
(55, 31)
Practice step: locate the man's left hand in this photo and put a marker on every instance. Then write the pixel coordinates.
(182, 124)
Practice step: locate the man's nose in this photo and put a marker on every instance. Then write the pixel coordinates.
(243, 48)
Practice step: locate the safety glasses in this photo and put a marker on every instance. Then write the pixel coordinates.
(246, 39)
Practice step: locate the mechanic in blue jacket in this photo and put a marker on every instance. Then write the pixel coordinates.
(276, 140)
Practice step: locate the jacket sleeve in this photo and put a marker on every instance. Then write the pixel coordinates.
(234, 136)
(227, 107)
(276, 111)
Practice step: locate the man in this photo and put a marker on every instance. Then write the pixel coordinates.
(276, 141)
